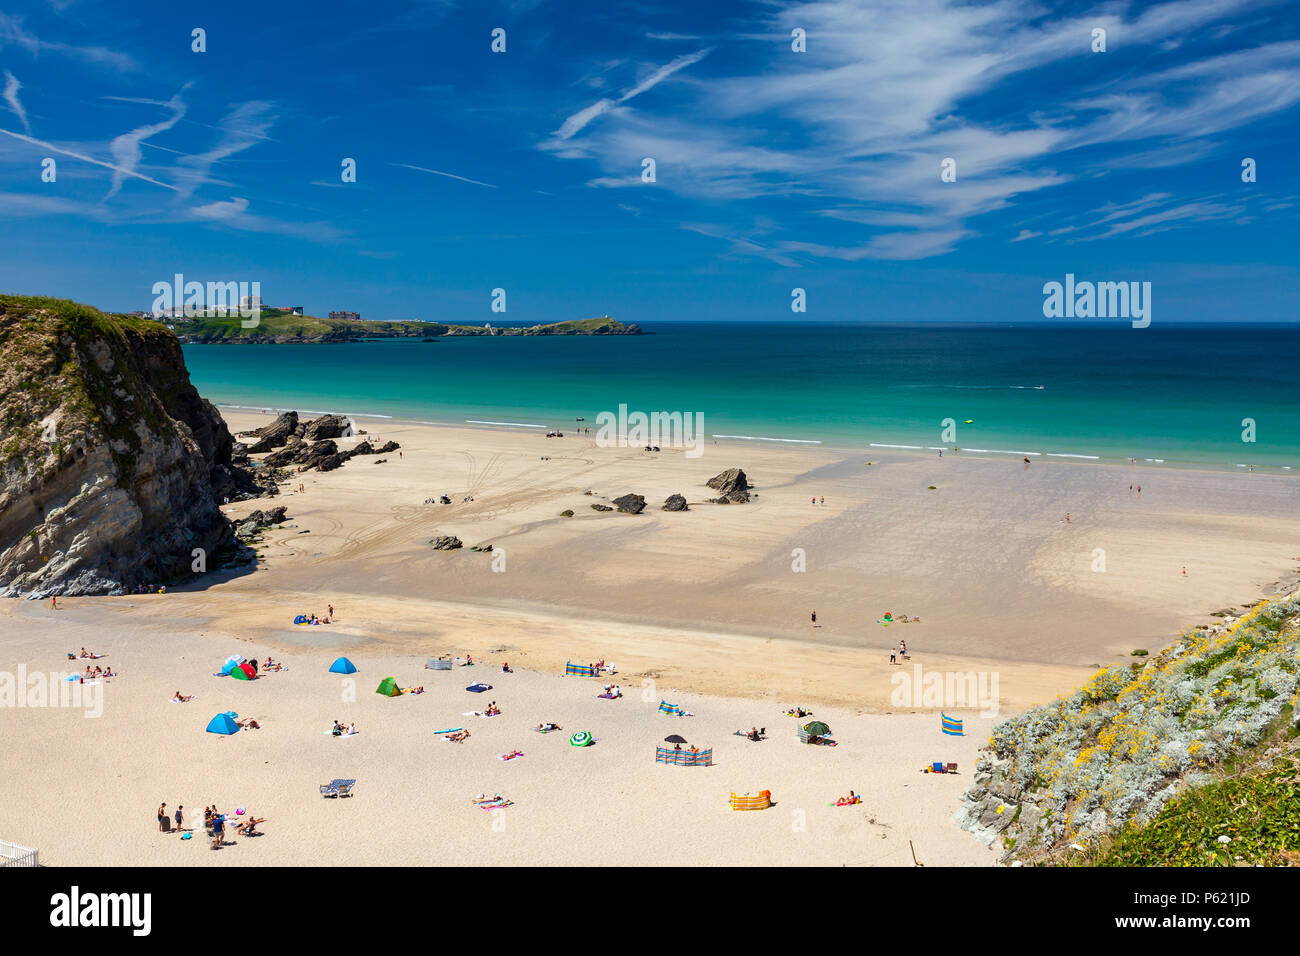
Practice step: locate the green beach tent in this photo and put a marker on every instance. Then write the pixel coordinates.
(388, 687)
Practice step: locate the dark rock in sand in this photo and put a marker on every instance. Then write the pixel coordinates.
(274, 435)
(732, 484)
(566, 513)
(309, 455)
(631, 504)
(446, 542)
(327, 426)
(675, 503)
(601, 508)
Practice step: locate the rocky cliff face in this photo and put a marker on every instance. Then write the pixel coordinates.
(108, 455)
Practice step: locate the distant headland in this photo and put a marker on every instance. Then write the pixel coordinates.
(284, 327)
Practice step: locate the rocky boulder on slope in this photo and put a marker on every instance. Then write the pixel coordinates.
(108, 455)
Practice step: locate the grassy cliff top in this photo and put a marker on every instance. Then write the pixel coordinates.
(278, 325)
(73, 374)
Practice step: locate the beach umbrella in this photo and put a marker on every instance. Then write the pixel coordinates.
(674, 739)
(816, 729)
(580, 739)
(343, 666)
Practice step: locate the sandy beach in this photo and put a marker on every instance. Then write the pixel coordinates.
(707, 608)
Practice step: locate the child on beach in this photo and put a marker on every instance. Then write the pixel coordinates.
(893, 655)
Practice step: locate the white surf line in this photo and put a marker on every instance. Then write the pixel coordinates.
(1002, 451)
(872, 444)
(472, 421)
(792, 441)
(1062, 454)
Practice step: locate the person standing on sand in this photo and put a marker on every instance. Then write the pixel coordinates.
(54, 602)
(180, 818)
(814, 618)
(331, 610)
(893, 655)
(162, 818)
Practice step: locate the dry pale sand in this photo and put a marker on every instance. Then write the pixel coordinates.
(703, 606)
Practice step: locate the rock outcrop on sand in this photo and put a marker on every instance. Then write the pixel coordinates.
(274, 435)
(675, 503)
(258, 521)
(630, 504)
(327, 426)
(446, 542)
(307, 445)
(732, 486)
(111, 464)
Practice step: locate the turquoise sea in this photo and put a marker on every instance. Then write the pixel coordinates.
(1177, 394)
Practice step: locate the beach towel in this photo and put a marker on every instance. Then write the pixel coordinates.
(494, 804)
(449, 730)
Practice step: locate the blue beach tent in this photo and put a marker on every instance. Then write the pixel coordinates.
(222, 724)
(343, 666)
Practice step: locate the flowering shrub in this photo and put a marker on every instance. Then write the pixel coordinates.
(1114, 752)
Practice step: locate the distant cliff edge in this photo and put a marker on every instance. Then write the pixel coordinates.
(277, 327)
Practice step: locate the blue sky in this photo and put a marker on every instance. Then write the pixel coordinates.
(774, 169)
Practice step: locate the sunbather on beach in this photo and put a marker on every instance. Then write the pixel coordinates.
(179, 698)
(248, 723)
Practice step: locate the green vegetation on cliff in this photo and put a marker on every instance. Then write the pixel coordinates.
(1155, 762)
(278, 326)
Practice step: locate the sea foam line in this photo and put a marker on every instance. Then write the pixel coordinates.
(792, 441)
(472, 421)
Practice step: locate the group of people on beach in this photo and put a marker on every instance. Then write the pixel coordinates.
(314, 619)
(338, 730)
(214, 823)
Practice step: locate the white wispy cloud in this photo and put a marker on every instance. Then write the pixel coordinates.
(12, 86)
(125, 148)
(437, 172)
(13, 33)
(243, 127)
(117, 170)
(575, 123)
(862, 120)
